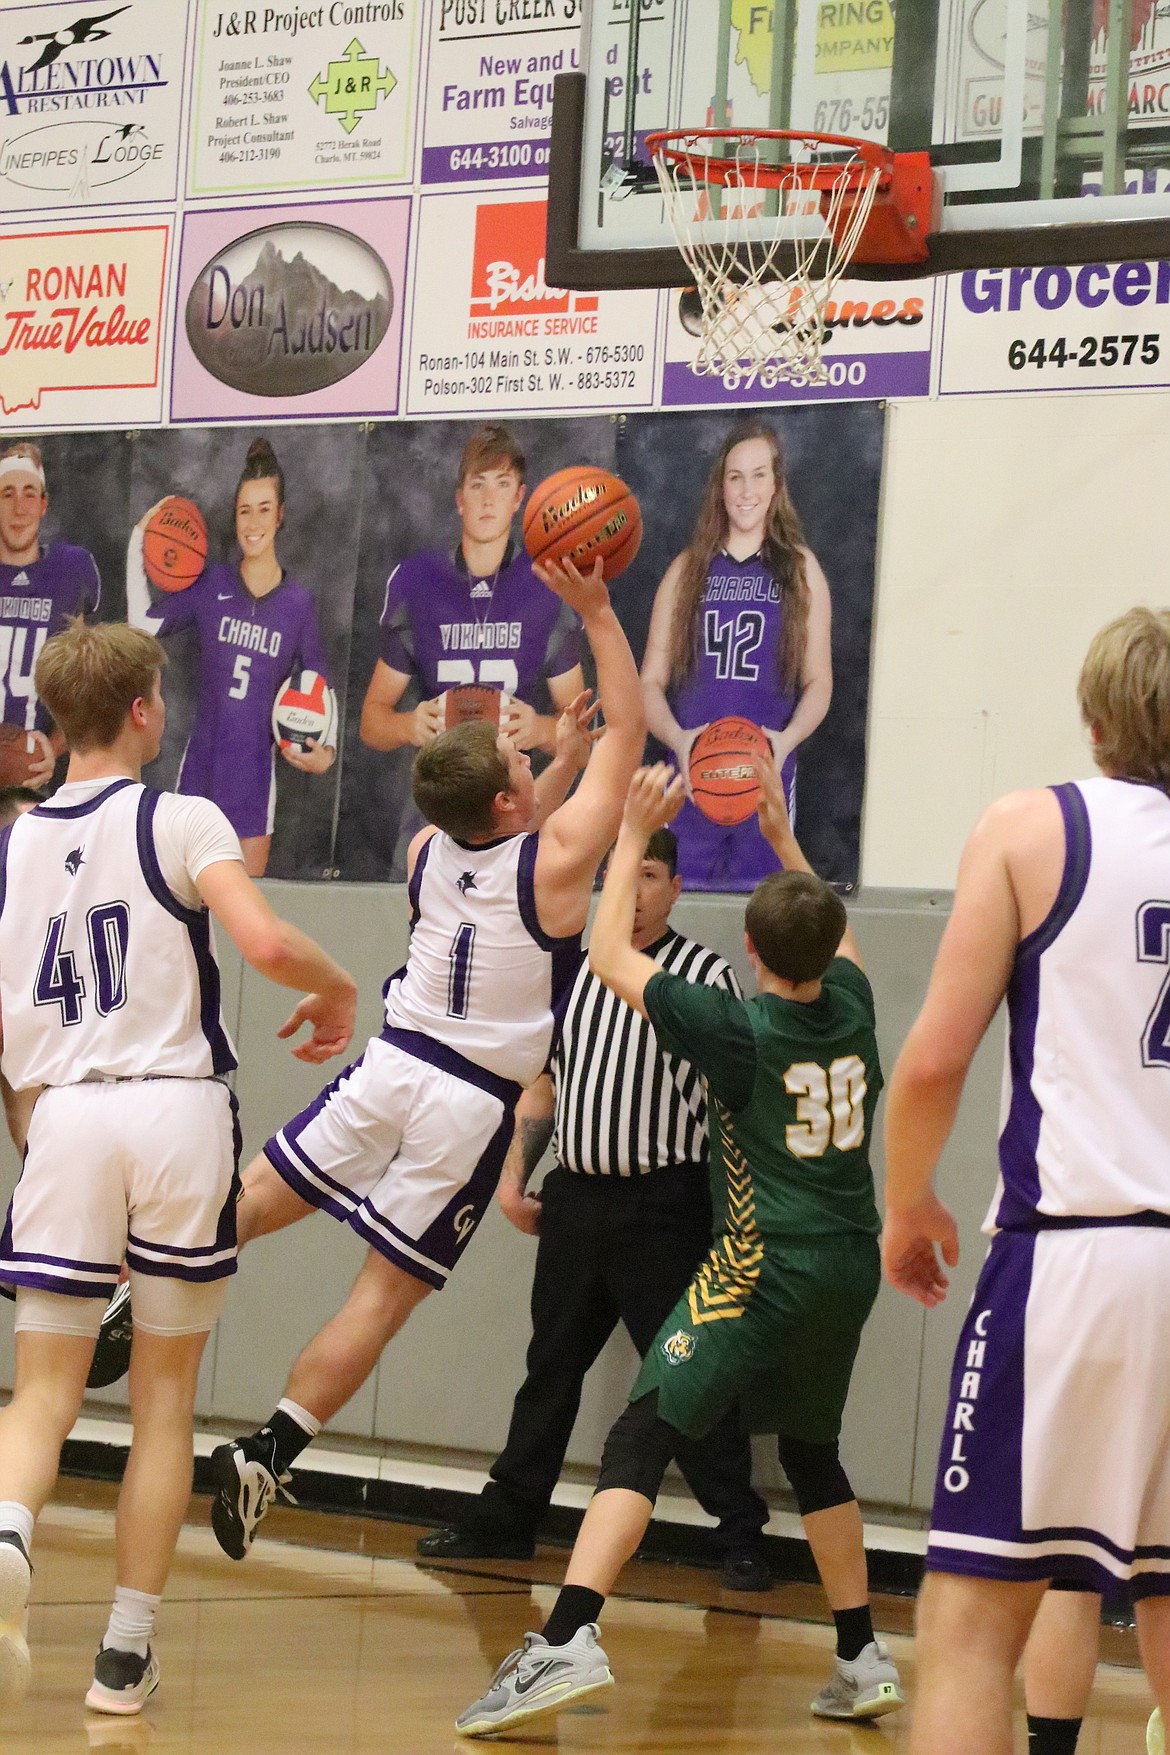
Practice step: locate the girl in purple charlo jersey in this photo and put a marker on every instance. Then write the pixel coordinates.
(741, 625)
(256, 627)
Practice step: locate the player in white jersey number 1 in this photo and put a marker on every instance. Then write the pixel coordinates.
(1055, 1458)
(109, 994)
(408, 1144)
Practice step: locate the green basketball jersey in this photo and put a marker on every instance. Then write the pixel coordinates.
(792, 1091)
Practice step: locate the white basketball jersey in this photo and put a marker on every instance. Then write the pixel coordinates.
(103, 971)
(1086, 1112)
(481, 976)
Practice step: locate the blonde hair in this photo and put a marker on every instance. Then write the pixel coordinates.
(90, 677)
(456, 778)
(782, 551)
(25, 448)
(1124, 691)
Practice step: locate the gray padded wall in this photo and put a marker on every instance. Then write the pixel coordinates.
(449, 1378)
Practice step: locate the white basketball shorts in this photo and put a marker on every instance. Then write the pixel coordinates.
(1055, 1459)
(406, 1146)
(141, 1169)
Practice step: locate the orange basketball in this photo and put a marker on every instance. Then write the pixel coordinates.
(16, 755)
(580, 513)
(723, 780)
(174, 545)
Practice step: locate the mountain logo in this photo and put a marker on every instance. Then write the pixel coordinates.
(352, 88)
(289, 309)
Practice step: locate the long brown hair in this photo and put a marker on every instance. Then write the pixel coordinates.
(781, 551)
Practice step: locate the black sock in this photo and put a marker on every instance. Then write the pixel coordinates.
(1053, 1736)
(854, 1631)
(288, 1439)
(574, 1608)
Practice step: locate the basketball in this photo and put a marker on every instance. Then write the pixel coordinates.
(305, 707)
(174, 545)
(581, 513)
(16, 755)
(471, 703)
(723, 781)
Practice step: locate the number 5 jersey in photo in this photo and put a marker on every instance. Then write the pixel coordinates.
(248, 646)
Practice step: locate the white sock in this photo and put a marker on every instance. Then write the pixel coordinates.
(131, 1620)
(14, 1516)
(307, 1422)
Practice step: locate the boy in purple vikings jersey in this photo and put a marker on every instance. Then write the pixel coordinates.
(40, 588)
(478, 616)
(741, 625)
(256, 627)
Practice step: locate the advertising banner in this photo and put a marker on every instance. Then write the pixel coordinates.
(1096, 327)
(81, 325)
(285, 312)
(489, 87)
(90, 103)
(303, 97)
(488, 333)
(878, 345)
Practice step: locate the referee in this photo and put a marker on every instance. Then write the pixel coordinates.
(623, 1218)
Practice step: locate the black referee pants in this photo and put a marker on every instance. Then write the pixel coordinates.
(613, 1249)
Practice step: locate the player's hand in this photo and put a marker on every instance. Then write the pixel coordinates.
(682, 753)
(782, 746)
(576, 733)
(42, 760)
(909, 1256)
(655, 798)
(315, 758)
(584, 592)
(149, 514)
(426, 722)
(523, 724)
(332, 1016)
(520, 1208)
(772, 809)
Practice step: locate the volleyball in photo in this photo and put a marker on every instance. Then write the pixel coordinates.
(722, 771)
(174, 544)
(579, 514)
(305, 707)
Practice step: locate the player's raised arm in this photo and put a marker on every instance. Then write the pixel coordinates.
(576, 837)
(654, 799)
(776, 828)
(286, 955)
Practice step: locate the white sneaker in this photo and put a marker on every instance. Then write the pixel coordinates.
(1156, 1734)
(864, 1687)
(538, 1677)
(15, 1580)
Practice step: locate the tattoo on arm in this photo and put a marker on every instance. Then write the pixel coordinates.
(535, 1133)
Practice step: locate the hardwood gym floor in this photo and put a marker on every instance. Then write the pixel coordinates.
(330, 1641)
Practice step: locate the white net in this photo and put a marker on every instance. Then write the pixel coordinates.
(739, 214)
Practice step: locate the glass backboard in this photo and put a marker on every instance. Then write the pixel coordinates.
(1048, 126)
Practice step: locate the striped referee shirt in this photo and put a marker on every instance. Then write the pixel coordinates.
(623, 1107)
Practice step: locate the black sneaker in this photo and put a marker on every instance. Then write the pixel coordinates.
(122, 1681)
(111, 1355)
(746, 1569)
(470, 1542)
(246, 1482)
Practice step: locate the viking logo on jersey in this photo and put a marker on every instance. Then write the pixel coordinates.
(74, 861)
(679, 1347)
(465, 883)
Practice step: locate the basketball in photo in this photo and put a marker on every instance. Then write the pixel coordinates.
(723, 780)
(17, 757)
(174, 547)
(305, 708)
(579, 514)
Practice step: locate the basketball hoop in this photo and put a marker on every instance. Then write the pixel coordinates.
(768, 220)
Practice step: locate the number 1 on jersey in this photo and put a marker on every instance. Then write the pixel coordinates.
(459, 979)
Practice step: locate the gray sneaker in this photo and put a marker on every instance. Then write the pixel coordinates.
(864, 1687)
(539, 1677)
